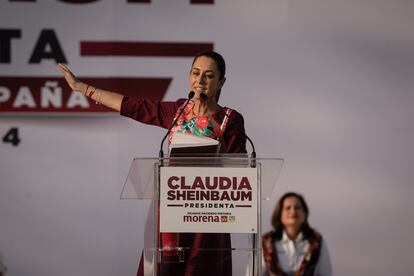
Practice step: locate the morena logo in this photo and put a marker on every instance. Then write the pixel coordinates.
(201, 218)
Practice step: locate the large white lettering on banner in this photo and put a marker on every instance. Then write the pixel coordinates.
(209, 200)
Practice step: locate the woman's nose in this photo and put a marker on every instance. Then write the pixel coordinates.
(202, 79)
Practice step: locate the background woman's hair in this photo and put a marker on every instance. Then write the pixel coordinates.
(221, 65)
(277, 213)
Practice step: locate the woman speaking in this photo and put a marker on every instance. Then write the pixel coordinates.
(201, 116)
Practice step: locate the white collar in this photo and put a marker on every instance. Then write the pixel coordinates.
(285, 237)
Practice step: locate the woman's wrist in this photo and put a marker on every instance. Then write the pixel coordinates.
(83, 88)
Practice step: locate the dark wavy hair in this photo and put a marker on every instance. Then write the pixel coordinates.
(221, 65)
(277, 214)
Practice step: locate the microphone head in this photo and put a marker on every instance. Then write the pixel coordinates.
(203, 96)
(191, 94)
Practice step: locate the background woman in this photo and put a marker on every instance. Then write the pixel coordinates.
(202, 116)
(293, 247)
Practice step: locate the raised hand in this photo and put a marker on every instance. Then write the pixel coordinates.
(72, 81)
(107, 98)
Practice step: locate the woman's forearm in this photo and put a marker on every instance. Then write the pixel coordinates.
(107, 98)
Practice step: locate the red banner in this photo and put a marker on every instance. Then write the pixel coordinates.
(20, 95)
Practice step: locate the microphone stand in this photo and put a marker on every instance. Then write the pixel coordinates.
(204, 97)
(253, 153)
(161, 152)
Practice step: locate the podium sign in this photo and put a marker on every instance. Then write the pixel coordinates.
(208, 200)
(203, 194)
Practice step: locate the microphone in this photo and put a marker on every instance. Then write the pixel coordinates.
(161, 153)
(253, 154)
(203, 96)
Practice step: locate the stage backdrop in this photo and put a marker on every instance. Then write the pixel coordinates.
(326, 85)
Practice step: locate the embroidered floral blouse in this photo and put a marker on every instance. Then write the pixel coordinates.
(190, 123)
(163, 113)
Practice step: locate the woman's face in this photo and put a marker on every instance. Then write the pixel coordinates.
(205, 77)
(293, 214)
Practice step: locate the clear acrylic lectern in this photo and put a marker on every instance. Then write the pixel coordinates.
(205, 211)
